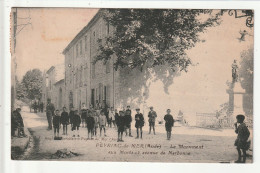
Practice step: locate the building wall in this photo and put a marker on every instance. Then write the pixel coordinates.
(82, 78)
(59, 95)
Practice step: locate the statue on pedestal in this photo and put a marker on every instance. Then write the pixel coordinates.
(234, 72)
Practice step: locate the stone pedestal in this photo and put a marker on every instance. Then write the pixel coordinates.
(238, 93)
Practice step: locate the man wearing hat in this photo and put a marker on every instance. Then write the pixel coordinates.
(49, 113)
(139, 123)
(152, 116)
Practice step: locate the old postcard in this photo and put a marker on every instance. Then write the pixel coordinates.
(132, 85)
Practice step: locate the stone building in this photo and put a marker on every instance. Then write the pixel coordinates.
(86, 82)
(54, 86)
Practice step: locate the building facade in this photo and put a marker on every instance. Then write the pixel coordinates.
(87, 82)
(53, 86)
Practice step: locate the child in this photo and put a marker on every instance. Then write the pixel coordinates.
(83, 115)
(169, 122)
(90, 124)
(128, 119)
(102, 123)
(139, 123)
(120, 126)
(96, 119)
(241, 142)
(56, 123)
(75, 123)
(71, 115)
(152, 116)
(110, 117)
(64, 121)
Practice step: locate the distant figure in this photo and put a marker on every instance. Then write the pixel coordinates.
(128, 120)
(96, 119)
(49, 113)
(111, 117)
(56, 123)
(35, 106)
(102, 123)
(152, 117)
(76, 121)
(241, 142)
(41, 107)
(71, 115)
(83, 115)
(116, 117)
(169, 122)
(64, 121)
(139, 123)
(90, 124)
(120, 125)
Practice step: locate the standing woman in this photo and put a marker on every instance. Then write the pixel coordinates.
(139, 123)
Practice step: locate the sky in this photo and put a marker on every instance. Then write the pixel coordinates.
(202, 89)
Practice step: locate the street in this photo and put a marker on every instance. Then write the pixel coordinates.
(188, 144)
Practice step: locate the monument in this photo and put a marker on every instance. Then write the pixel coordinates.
(236, 93)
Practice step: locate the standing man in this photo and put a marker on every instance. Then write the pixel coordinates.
(152, 116)
(128, 119)
(49, 113)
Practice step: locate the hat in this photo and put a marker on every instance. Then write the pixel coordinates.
(151, 107)
(138, 109)
(241, 117)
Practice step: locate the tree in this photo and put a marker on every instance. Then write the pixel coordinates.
(32, 82)
(246, 77)
(20, 90)
(246, 70)
(152, 43)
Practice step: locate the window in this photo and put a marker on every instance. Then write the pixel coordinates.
(86, 40)
(77, 50)
(94, 37)
(108, 66)
(93, 70)
(108, 29)
(81, 71)
(80, 46)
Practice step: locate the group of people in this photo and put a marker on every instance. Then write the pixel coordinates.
(98, 118)
(37, 106)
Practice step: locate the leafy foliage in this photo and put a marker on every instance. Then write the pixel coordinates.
(246, 77)
(32, 83)
(246, 70)
(20, 90)
(153, 37)
(151, 44)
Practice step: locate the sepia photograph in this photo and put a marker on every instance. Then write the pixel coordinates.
(132, 85)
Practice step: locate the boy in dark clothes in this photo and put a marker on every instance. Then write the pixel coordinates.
(139, 123)
(64, 120)
(90, 124)
(56, 123)
(120, 126)
(76, 120)
(128, 119)
(243, 134)
(169, 122)
(152, 117)
(116, 116)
